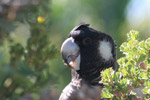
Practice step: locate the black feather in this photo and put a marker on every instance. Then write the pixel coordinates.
(92, 62)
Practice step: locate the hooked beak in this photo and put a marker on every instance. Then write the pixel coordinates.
(71, 53)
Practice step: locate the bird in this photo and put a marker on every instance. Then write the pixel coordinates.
(86, 52)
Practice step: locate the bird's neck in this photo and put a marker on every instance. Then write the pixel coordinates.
(90, 72)
(91, 77)
(75, 75)
(78, 80)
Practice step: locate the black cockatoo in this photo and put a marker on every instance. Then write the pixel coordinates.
(87, 52)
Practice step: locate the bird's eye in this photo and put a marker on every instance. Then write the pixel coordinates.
(87, 41)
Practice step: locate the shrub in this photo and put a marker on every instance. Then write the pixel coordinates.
(24, 68)
(133, 73)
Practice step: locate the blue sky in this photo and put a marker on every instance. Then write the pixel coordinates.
(137, 11)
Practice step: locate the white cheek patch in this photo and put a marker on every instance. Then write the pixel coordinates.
(105, 49)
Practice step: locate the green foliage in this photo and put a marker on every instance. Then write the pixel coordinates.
(25, 69)
(55, 23)
(22, 11)
(133, 72)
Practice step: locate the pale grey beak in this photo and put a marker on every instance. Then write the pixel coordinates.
(71, 53)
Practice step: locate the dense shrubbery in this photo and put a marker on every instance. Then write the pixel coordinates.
(133, 73)
(27, 70)
(24, 67)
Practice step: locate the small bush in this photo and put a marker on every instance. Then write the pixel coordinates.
(25, 69)
(133, 73)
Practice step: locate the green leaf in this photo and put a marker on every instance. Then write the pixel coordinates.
(131, 72)
(146, 90)
(132, 35)
(106, 94)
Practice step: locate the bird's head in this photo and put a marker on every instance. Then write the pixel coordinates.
(88, 51)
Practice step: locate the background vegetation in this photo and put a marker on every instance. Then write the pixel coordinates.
(31, 33)
(132, 79)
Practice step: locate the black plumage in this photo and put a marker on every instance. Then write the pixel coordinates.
(91, 45)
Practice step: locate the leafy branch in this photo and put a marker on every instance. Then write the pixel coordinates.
(133, 73)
